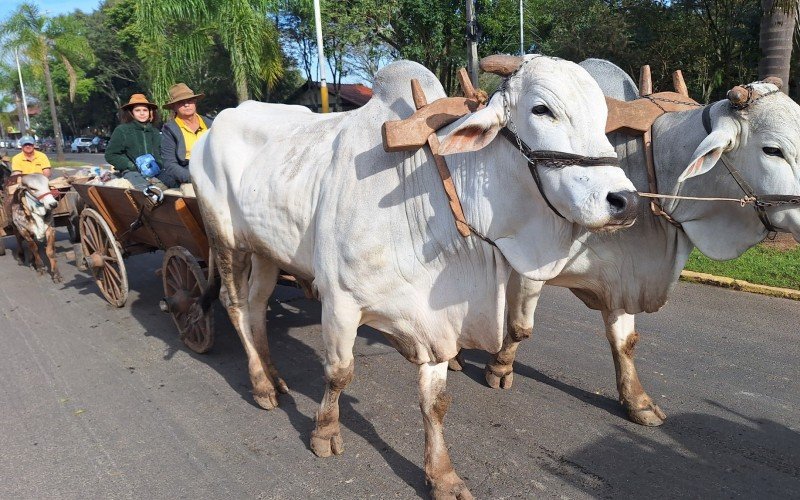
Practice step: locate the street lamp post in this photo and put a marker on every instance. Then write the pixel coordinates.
(521, 36)
(323, 86)
(24, 99)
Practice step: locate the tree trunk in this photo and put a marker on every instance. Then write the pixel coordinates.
(777, 29)
(53, 116)
(242, 90)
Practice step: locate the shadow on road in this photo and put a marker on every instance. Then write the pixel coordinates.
(299, 364)
(706, 456)
(478, 360)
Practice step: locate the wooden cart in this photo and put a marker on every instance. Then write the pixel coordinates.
(119, 222)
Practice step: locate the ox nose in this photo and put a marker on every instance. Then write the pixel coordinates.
(623, 205)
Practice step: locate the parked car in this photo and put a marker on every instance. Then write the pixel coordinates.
(99, 144)
(81, 144)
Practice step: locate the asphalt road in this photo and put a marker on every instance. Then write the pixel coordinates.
(99, 402)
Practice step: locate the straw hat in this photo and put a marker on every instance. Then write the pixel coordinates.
(181, 92)
(139, 100)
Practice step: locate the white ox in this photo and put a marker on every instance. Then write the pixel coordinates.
(282, 188)
(633, 271)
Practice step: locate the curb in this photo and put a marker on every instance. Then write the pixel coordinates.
(745, 286)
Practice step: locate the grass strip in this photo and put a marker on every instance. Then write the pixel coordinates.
(760, 264)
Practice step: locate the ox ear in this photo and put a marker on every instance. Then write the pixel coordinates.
(709, 151)
(476, 132)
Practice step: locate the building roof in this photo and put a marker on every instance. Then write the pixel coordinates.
(353, 93)
(33, 110)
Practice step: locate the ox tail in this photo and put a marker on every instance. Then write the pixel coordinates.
(211, 293)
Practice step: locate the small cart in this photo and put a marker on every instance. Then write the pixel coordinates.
(119, 222)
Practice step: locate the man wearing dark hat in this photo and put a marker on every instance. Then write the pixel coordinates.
(135, 145)
(30, 161)
(180, 133)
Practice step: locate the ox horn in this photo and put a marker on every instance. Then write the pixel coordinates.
(774, 80)
(738, 95)
(503, 65)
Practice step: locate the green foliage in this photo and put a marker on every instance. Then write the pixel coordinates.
(235, 49)
(179, 36)
(760, 264)
(433, 34)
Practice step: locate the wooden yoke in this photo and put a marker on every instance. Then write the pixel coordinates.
(637, 118)
(412, 133)
(420, 129)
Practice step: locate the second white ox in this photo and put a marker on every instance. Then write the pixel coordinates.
(633, 271)
(282, 188)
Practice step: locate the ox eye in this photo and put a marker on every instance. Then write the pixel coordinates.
(773, 152)
(541, 109)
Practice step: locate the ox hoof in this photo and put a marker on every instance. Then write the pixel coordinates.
(455, 364)
(266, 401)
(651, 415)
(498, 380)
(450, 487)
(323, 446)
(58, 279)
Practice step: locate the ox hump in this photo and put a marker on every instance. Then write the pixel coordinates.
(392, 86)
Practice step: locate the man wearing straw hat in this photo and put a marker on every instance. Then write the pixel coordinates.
(180, 133)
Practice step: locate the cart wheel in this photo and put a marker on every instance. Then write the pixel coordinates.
(184, 283)
(103, 257)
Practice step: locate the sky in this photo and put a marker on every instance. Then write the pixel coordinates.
(51, 7)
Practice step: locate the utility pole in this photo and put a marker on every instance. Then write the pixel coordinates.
(24, 99)
(323, 86)
(521, 36)
(472, 39)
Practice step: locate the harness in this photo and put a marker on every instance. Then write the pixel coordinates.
(414, 132)
(760, 202)
(550, 159)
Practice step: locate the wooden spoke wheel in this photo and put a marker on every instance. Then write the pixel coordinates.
(184, 283)
(103, 257)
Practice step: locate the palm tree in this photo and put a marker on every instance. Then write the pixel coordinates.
(41, 38)
(178, 35)
(777, 31)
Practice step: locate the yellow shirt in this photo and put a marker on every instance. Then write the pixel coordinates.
(26, 166)
(190, 136)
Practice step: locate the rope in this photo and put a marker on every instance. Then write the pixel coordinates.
(747, 200)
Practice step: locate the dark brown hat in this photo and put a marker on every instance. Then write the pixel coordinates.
(139, 100)
(181, 92)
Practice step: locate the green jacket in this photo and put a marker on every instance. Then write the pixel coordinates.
(131, 140)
